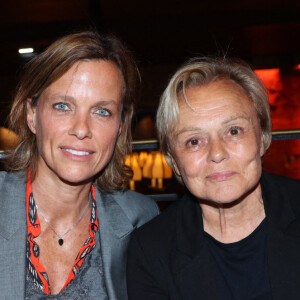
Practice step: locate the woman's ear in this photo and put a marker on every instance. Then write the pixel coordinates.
(174, 164)
(120, 128)
(31, 116)
(262, 146)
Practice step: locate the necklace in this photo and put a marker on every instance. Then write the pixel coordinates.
(60, 236)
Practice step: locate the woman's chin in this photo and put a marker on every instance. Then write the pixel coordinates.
(222, 198)
(75, 178)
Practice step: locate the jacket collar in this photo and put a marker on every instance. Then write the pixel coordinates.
(193, 264)
(277, 203)
(112, 215)
(13, 210)
(189, 227)
(13, 235)
(114, 229)
(283, 235)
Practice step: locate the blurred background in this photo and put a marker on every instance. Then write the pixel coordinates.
(163, 35)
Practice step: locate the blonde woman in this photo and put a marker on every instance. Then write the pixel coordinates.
(235, 235)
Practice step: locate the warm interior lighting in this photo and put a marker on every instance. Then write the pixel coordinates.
(147, 168)
(297, 67)
(168, 173)
(131, 161)
(25, 50)
(268, 74)
(151, 165)
(273, 82)
(142, 158)
(8, 139)
(157, 171)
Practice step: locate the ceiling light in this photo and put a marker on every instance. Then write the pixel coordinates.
(25, 50)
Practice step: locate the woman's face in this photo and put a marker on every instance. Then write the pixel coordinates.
(218, 145)
(77, 121)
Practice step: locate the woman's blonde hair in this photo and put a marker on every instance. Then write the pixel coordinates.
(203, 71)
(49, 66)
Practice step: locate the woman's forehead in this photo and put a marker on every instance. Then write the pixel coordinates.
(205, 98)
(216, 103)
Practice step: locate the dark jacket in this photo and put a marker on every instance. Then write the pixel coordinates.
(168, 258)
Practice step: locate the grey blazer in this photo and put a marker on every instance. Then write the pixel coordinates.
(119, 214)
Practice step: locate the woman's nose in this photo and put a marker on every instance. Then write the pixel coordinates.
(80, 127)
(217, 150)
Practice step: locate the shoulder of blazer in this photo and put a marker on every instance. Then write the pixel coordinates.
(282, 201)
(285, 187)
(138, 208)
(12, 202)
(159, 235)
(124, 211)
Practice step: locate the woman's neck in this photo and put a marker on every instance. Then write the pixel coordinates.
(230, 223)
(60, 202)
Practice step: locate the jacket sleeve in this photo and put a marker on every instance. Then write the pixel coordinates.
(142, 282)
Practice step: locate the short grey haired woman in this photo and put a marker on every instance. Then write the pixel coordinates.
(235, 234)
(66, 218)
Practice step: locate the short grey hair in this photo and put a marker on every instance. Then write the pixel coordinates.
(203, 71)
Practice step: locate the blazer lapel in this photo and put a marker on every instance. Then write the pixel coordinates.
(284, 265)
(196, 280)
(13, 269)
(115, 229)
(283, 242)
(12, 238)
(192, 262)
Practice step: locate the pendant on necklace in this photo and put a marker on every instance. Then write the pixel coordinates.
(60, 242)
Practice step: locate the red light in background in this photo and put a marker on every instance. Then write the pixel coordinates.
(297, 67)
(272, 80)
(267, 73)
(284, 96)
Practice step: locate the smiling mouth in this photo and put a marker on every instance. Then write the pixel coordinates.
(76, 152)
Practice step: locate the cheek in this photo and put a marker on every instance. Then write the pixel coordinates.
(190, 164)
(50, 128)
(247, 158)
(246, 150)
(106, 137)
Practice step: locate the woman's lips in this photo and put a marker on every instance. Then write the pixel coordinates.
(221, 176)
(77, 154)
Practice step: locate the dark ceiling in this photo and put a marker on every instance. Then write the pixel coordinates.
(162, 34)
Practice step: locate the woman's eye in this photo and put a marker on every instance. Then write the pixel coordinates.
(103, 112)
(61, 106)
(193, 142)
(234, 131)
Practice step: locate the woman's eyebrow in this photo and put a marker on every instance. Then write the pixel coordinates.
(62, 97)
(188, 129)
(198, 129)
(106, 102)
(235, 118)
(103, 102)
